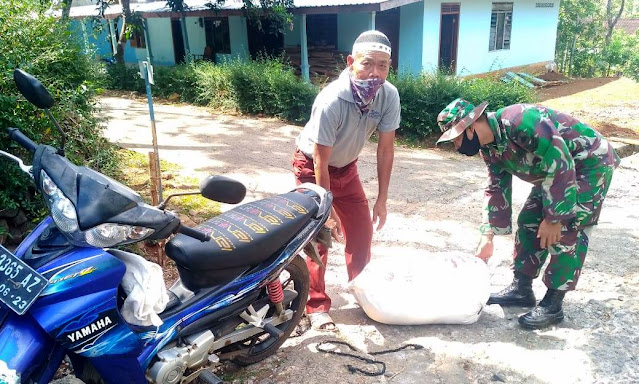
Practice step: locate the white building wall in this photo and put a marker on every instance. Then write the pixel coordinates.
(533, 36)
(161, 42)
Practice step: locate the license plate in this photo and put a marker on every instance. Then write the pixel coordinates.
(20, 285)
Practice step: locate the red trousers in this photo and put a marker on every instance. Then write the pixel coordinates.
(351, 206)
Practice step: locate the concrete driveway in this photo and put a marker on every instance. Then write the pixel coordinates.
(434, 206)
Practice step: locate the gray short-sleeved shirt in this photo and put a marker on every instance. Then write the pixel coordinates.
(336, 121)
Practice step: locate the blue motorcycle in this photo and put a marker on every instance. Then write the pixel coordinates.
(241, 291)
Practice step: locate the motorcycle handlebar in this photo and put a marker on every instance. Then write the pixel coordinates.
(194, 233)
(22, 139)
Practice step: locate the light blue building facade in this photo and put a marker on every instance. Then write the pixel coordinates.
(467, 36)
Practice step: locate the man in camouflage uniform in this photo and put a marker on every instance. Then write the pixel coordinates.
(570, 165)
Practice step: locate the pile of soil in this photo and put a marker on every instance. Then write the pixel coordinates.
(553, 76)
(613, 130)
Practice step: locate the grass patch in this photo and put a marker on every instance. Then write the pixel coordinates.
(135, 174)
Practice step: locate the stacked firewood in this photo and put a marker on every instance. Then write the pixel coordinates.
(324, 61)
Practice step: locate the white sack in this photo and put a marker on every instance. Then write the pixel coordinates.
(444, 288)
(143, 283)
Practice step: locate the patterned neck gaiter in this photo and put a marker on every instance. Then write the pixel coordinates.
(364, 91)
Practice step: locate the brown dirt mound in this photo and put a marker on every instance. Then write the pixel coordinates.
(613, 130)
(553, 76)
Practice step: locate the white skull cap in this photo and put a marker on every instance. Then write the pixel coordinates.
(372, 41)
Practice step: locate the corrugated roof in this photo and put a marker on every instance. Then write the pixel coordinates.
(631, 26)
(229, 5)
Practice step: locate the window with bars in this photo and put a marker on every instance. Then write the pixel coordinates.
(137, 40)
(217, 34)
(500, 25)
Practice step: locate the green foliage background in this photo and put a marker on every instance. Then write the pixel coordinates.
(44, 47)
(270, 87)
(581, 45)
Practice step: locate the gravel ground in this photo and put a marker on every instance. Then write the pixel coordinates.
(434, 207)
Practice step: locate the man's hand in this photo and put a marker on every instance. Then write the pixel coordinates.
(379, 212)
(485, 247)
(335, 225)
(548, 233)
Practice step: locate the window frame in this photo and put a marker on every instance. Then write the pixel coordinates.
(211, 37)
(501, 20)
(137, 40)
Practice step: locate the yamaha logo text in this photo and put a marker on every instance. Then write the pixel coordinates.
(90, 329)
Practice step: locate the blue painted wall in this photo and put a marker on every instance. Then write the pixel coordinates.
(418, 41)
(239, 39)
(197, 37)
(349, 26)
(292, 37)
(410, 38)
(237, 32)
(93, 42)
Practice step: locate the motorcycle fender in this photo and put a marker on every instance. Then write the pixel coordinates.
(24, 346)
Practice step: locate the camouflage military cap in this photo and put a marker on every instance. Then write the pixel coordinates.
(456, 117)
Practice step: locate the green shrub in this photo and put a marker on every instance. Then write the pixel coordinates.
(124, 77)
(496, 92)
(180, 79)
(264, 86)
(214, 88)
(44, 47)
(424, 96)
(270, 87)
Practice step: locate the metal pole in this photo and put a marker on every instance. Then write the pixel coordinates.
(149, 99)
(371, 21)
(304, 47)
(147, 39)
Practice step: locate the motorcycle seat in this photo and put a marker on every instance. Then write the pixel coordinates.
(240, 238)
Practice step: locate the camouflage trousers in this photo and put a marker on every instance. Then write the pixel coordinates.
(566, 257)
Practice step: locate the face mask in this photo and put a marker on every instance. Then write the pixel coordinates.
(364, 91)
(469, 147)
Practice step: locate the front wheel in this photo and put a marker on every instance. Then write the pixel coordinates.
(294, 277)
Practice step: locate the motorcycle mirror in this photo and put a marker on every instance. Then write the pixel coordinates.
(32, 89)
(222, 189)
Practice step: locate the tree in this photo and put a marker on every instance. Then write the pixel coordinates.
(130, 23)
(579, 30)
(66, 8)
(612, 19)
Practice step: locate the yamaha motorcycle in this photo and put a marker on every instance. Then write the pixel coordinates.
(241, 291)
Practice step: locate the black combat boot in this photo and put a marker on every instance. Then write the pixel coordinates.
(518, 293)
(548, 312)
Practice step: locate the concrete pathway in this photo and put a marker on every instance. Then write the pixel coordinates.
(435, 206)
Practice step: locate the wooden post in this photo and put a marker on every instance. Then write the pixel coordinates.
(155, 200)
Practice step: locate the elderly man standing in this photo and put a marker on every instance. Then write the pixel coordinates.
(344, 116)
(570, 166)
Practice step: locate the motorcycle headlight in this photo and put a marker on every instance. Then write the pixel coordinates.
(62, 209)
(109, 234)
(66, 219)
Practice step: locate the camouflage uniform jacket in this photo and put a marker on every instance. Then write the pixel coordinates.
(568, 160)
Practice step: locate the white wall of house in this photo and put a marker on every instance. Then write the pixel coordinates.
(161, 42)
(533, 36)
(197, 37)
(239, 39)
